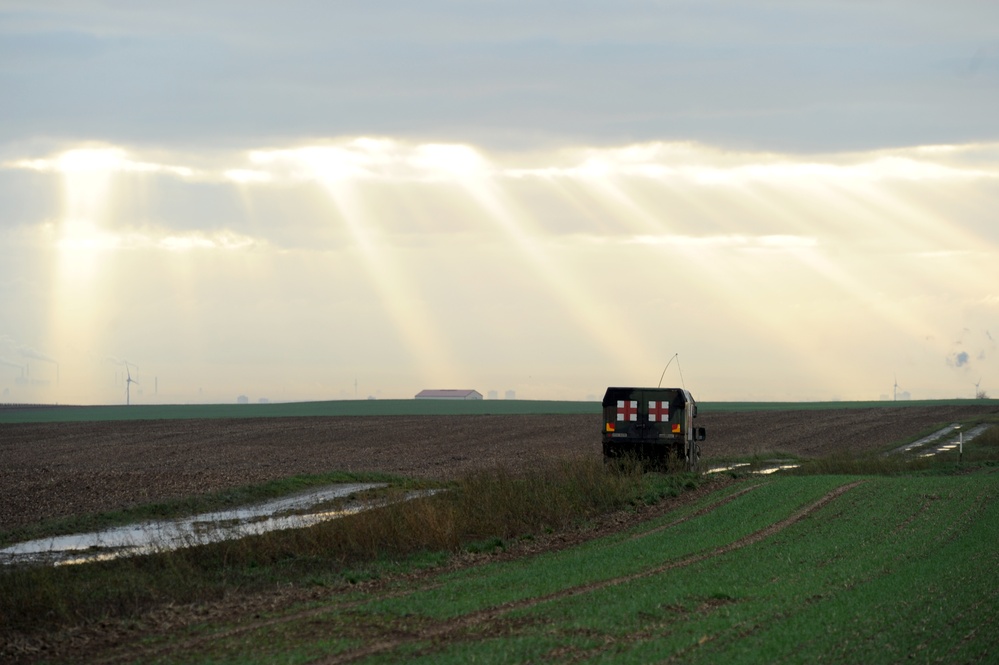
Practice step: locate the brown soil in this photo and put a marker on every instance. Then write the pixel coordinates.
(123, 640)
(64, 469)
(118, 641)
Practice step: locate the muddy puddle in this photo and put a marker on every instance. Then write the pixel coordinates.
(766, 469)
(947, 439)
(293, 512)
(950, 438)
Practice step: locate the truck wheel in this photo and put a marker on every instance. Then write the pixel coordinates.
(694, 463)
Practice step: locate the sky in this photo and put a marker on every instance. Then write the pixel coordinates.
(760, 200)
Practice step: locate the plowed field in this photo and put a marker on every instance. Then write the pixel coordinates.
(61, 469)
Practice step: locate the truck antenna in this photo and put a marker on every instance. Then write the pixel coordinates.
(676, 356)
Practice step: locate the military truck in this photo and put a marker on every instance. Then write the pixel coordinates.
(653, 425)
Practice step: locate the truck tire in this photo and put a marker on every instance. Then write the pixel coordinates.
(694, 463)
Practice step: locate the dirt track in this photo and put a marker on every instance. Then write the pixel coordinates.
(56, 470)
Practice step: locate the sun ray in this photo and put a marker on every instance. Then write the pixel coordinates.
(405, 307)
(336, 168)
(81, 286)
(629, 350)
(613, 257)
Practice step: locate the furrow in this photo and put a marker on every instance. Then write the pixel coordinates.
(452, 626)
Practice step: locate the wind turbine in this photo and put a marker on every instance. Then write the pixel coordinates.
(977, 391)
(894, 390)
(128, 384)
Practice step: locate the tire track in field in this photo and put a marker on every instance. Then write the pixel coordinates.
(163, 650)
(194, 642)
(697, 513)
(447, 628)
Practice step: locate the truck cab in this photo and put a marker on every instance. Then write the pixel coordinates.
(653, 425)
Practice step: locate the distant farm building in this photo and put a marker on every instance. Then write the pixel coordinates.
(449, 394)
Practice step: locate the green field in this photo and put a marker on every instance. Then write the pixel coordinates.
(395, 407)
(834, 569)
(386, 407)
(892, 569)
(870, 564)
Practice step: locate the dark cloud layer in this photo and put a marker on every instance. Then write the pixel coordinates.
(750, 74)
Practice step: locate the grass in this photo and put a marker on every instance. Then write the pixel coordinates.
(709, 407)
(985, 447)
(901, 567)
(896, 569)
(402, 407)
(380, 408)
(981, 451)
(482, 511)
(869, 578)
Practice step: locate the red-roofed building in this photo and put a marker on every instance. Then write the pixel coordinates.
(449, 394)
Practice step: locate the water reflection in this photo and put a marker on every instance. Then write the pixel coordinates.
(159, 536)
(770, 467)
(952, 436)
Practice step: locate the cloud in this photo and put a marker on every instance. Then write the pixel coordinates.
(654, 192)
(734, 241)
(980, 343)
(740, 72)
(345, 241)
(367, 158)
(80, 235)
(103, 159)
